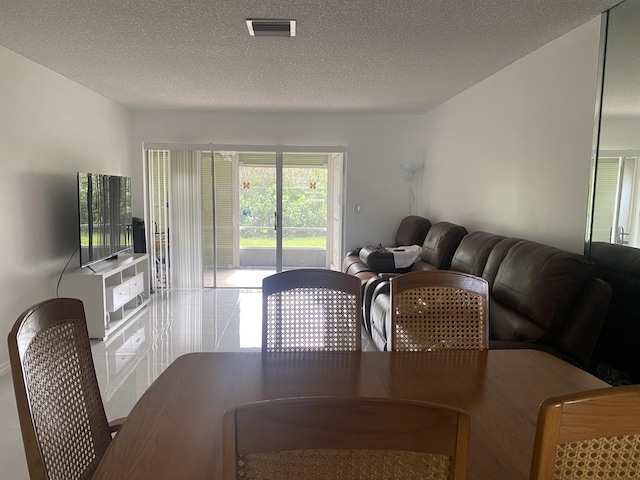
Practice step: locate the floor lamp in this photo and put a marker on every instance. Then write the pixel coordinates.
(411, 168)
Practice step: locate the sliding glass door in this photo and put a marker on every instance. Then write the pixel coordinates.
(283, 211)
(258, 240)
(227, 216)
(304, 210)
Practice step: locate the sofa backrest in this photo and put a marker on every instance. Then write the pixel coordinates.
(412, 230)
(473, 252)
(496, 256)
(440, 244)
(541, 283)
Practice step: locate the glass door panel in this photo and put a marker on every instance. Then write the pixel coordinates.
(271, 210)
(304, 210)
(243, 190)
(257, 210)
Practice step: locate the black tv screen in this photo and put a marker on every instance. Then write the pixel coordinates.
(104, 206)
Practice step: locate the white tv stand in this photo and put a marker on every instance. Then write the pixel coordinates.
(113, 292)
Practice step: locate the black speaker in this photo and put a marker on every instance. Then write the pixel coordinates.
(139, 236)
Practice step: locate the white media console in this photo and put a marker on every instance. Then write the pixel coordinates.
(113, 291)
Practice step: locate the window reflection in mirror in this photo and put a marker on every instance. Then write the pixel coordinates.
(616, 200)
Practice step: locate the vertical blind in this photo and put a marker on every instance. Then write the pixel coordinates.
(158, 171)
(186, 219)
(175, 194)
(606, 199)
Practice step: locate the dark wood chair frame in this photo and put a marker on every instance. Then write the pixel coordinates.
(363, 424)
(54, 378)
(330, 280)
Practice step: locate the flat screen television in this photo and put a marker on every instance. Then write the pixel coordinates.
(104, 207)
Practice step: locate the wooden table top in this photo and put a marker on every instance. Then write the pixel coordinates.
(174, 431)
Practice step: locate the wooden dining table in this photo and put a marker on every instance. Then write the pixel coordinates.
(174, 430)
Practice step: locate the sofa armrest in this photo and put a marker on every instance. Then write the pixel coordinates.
(580, 335)
(367, 299)
(379, 315)
(354, 253)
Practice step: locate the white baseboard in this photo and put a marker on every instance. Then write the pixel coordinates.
(5, 368)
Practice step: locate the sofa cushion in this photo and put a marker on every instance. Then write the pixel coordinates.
(412, 230)
(541, 282)
(472, 253)
(495, 259)
(440, 244)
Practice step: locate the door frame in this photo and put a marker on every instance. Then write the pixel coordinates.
(335, 240)
(332, 194)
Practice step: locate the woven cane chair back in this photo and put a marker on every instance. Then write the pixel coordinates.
(593, 434)
(439, 310)
(346, 438)
(311, 309)
(64, 427)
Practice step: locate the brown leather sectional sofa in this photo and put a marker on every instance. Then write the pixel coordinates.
(540, 296)
(617, 353)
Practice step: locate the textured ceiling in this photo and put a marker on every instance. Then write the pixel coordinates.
(348, 55)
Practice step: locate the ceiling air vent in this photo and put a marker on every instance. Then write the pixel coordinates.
(271, 28)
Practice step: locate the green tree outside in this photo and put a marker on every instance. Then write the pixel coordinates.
(304, 206)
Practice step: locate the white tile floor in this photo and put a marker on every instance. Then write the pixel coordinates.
(177, 322)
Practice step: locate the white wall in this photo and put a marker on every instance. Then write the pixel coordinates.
(376, 146)
(50, 128)
(511, 155)
(620, 133)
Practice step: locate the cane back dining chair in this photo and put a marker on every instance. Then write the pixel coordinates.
(589, 435)
(311, 309)
(64, 427)
(327, 438)
(439, 310)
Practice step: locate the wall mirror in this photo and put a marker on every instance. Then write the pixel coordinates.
(615, 212)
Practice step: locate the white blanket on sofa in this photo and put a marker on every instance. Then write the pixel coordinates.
(404, 257)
